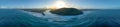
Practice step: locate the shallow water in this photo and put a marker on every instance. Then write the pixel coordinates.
(48, 15)
(97, 18)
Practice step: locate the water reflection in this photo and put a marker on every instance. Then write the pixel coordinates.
(100, 18)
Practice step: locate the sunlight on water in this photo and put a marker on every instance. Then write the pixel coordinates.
(102, 18)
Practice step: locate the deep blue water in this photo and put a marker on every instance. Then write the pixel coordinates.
(16, 18)
(97, 18)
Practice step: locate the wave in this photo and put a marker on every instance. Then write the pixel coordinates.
(17, 18)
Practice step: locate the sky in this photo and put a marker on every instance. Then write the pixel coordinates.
(45, 3)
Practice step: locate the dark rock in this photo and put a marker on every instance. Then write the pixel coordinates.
(36, 10)
(67, 11)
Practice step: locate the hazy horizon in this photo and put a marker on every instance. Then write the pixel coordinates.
(48, 3)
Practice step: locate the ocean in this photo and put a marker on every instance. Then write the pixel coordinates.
(90, 18)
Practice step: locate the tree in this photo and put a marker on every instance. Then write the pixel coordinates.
(67, 11)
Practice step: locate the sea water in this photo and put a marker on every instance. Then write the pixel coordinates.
(53, 17)
(97, 18)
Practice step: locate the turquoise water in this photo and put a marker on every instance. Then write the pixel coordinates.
(97, 18)
(16, 18)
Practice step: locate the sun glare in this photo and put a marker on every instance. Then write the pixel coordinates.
(59, 4)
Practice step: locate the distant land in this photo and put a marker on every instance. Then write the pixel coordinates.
(42, 10)
(65, 11)
(39, 10)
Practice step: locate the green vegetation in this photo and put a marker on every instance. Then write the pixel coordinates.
(66, 11)
(35, 10)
